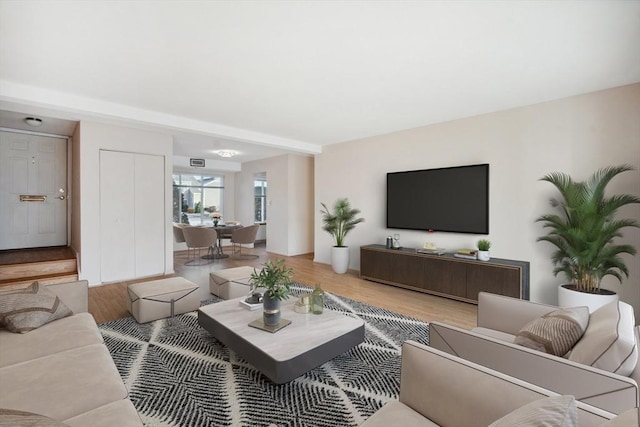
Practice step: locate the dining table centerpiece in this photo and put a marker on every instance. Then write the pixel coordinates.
(216, 216)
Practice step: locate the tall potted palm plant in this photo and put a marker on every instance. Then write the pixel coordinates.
(583, 230)
(338, 223)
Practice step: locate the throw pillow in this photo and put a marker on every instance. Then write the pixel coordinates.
(556, 332)
(11, 417)
(555, 411)
(609, 343)
(25, 309)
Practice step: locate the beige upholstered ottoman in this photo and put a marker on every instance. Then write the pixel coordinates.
(162, 298)
(230, 282)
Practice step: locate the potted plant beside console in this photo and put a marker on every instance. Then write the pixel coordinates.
(275, 277)
(583, 230)
(338, 223)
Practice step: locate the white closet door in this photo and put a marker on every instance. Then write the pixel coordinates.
(117, 213)
(149, 218)
(132, 207)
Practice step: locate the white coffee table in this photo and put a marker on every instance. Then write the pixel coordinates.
(308, 342)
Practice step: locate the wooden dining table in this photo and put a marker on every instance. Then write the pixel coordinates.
(224, 231)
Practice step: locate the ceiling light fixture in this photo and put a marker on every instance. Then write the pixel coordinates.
(226, 153)
(33, 121)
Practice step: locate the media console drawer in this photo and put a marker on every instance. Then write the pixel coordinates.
(444, 275)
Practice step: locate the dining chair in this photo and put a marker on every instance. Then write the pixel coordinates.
(178, 234)
(198, 238)
(244, 235)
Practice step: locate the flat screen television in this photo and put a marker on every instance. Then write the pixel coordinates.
(452, 199)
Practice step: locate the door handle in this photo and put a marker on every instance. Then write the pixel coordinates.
(32, 198)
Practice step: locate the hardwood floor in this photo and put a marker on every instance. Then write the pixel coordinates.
(46, 265)
(21, 256)
(108, 302)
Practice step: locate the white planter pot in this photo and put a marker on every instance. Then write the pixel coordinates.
(571, 298)
(340, 259)
(483, 255)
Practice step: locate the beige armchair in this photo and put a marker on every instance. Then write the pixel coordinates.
(438, 389)
(244, 235)
(198, 238)
(491, 344)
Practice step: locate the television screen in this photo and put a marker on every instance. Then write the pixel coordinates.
(453, 199)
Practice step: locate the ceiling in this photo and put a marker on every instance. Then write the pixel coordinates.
(272, 77)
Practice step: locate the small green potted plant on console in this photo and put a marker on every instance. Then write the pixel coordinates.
(275, 277)
(483, 249)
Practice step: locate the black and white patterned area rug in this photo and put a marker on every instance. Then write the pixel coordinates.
(177, 374)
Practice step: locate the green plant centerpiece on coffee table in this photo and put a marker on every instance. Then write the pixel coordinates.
(338, 223)
(583, 231)
(275, 277)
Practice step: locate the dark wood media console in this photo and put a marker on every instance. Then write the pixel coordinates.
(444, 275)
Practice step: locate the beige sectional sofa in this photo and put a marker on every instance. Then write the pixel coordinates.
(439, 389)
(491, 344)
(63, 370)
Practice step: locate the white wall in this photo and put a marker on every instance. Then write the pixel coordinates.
(91, 139)
(76, 196)
(300, 212)
(289, 198)
(576, 135)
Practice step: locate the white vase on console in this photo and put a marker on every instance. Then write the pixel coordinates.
(483, 246)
